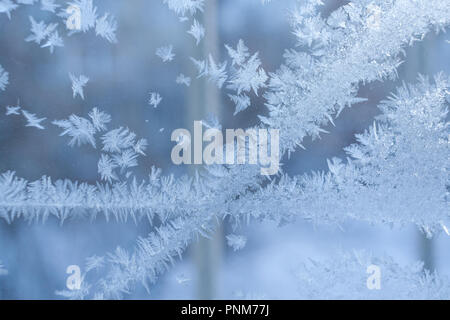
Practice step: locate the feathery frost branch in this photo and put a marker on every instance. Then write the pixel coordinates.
(346, 50)
(397, 173)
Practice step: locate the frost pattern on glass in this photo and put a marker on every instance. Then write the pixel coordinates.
(360, 42)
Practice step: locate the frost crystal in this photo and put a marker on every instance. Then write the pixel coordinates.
(165, 53)
(40, 31)
(249, 76)
(118, 140)
(141, 146)
(106, 168)
(197, 31)
(80, 130)
(106, 28)
(78, 83)
(240, 54)
(11, 110)
(217, 72)
(202, 67)
(242, 102)
(181, 278)
(126, 159)
(32, 120)
(182, 79)
(236, 242)
(155, 99)
(54, 40)
(99, 119)
(94, 263)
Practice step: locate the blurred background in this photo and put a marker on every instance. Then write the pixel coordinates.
(121, 77)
